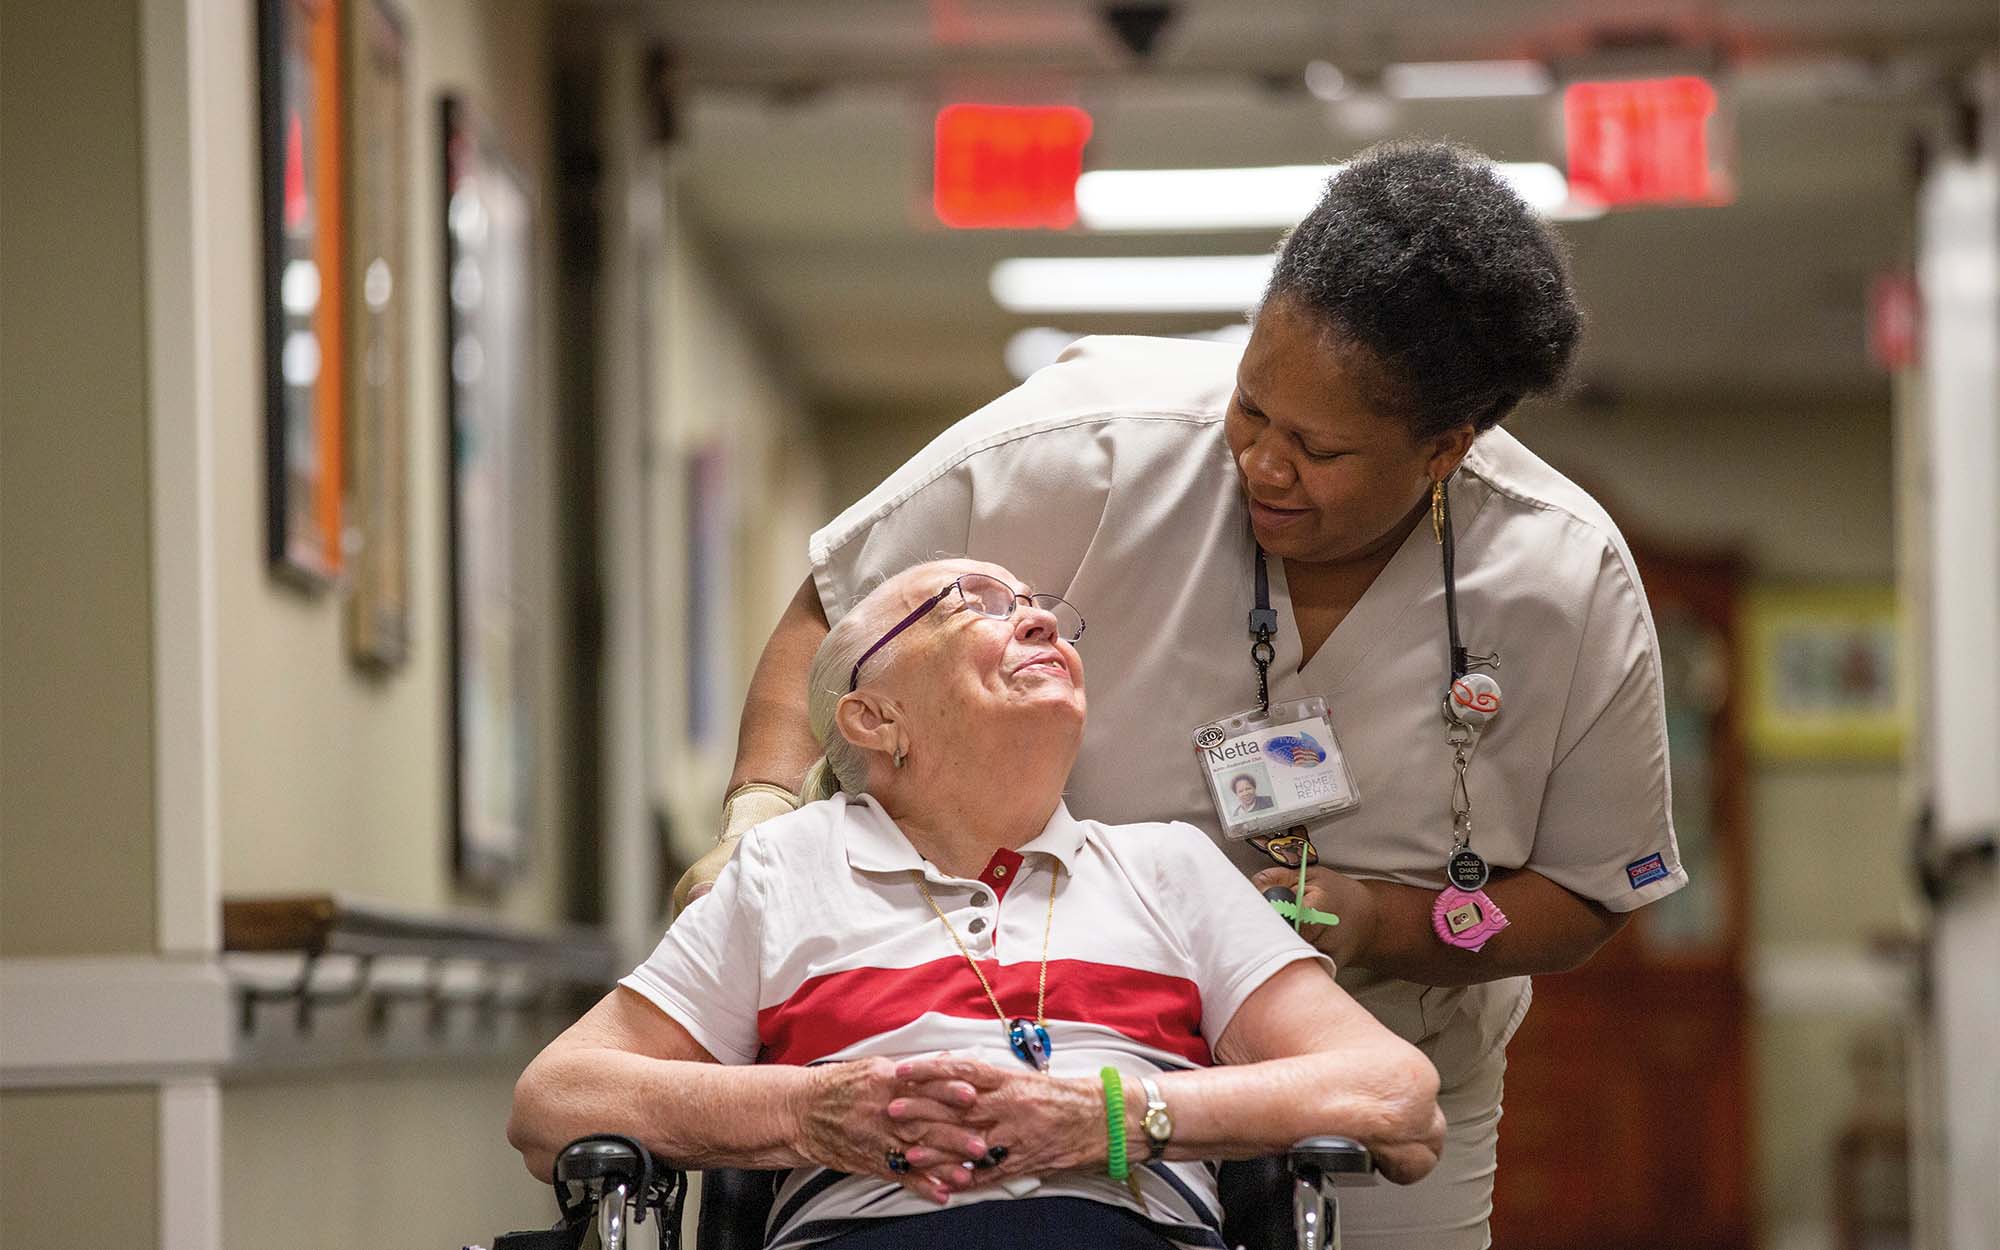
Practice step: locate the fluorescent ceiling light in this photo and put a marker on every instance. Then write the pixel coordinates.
(1325, 81)
(1038, 346)
(1465, 80)
(1269, 198)
(1099, 284)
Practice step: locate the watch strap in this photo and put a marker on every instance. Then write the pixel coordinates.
(1156, 1143)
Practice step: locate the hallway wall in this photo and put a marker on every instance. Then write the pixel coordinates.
(76, 715)
(76, 680)
(332, 777)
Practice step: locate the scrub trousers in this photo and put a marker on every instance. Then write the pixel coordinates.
(1450, 1208)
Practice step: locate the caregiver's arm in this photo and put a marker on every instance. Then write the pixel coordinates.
(774, 745)
(628, 1068)
(1386, 928)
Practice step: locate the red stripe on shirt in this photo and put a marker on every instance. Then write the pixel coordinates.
(835, 1010)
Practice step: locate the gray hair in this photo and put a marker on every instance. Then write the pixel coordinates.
(842, 765)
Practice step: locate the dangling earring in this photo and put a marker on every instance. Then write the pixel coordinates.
(897, 758)
(1437, 508)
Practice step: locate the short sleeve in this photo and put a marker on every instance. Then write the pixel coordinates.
(1029, 498)
(1235, 941)
(707, 971)
(1605, 830)
(1026, 481)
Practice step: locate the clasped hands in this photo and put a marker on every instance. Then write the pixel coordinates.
(959, 1122)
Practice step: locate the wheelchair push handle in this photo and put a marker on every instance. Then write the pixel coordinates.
(1317, 1164)
(610, 1159)
(1341, 1160)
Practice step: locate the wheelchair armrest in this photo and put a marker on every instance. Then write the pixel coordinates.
(1341, 1160)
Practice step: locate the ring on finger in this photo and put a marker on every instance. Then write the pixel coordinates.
(899, 1163)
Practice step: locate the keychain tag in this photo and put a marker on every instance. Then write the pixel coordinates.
(1467, 870)
(1266, 773)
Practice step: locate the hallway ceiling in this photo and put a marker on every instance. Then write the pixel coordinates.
(806, 162)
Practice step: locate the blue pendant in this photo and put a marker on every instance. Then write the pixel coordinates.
(1029, 1042)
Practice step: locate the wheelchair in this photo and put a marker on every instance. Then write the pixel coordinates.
(615, 1184)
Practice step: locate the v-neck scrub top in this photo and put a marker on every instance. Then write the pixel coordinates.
(1105, 479)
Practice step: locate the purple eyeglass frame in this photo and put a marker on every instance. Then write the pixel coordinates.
(1033, 601)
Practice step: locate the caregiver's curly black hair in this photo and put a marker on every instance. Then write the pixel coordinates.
(1460, 295)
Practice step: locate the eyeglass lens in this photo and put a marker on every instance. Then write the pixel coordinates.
(989, 596)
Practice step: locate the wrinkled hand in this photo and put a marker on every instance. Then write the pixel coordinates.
(1327, 890)
(1046, 1124)
(847, 1124)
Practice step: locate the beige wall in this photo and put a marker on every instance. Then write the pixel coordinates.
(416, 1157)
(76, 746)
(332, 778)
(81, 1168)
(722, 390)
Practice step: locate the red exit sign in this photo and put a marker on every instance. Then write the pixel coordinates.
(1007, 167)
(1641, 142)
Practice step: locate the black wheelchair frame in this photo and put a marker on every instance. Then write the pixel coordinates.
(615, 1184)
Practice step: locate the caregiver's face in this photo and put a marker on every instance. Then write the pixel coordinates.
(964, 664)
(1329, 478)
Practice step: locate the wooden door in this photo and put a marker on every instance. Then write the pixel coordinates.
(1628, 1101)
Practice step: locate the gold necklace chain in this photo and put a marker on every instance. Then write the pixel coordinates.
(1048, 924)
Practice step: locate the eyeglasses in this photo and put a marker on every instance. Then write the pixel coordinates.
(988, 597)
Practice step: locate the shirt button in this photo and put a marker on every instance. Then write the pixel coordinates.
(980, 900)
(978, 924)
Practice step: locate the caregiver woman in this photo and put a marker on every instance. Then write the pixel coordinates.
(1406, 317)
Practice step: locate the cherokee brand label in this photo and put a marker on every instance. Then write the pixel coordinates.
(1646, 871)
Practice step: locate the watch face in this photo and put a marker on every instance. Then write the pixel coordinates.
(1159, 1125)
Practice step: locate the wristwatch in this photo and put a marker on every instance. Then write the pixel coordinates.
(1159, 1125)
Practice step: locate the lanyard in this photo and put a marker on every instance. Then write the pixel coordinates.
(1263, 625)
(1467, 705)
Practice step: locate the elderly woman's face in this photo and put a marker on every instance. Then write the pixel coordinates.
(978, 670)
(1328, 477)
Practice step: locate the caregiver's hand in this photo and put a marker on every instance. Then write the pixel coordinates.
(1330, 891)
(845, 1123)
(1046, 1124)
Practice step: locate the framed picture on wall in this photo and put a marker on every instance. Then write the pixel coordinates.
(378, 134)
(489, 312)
(299, 89)
(1825, 673)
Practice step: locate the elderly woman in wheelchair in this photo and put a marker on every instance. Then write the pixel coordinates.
(956, 1013)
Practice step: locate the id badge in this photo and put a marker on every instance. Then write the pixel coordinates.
(1268, 773)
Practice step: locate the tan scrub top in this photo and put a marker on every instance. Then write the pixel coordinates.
(1105, 479)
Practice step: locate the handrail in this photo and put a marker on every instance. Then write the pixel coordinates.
(552, 965)
(327, 924)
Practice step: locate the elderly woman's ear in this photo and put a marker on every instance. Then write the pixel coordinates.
(873, 722)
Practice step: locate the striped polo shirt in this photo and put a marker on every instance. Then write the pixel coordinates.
(816, 945)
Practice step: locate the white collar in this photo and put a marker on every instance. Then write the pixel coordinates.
(875, 843)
